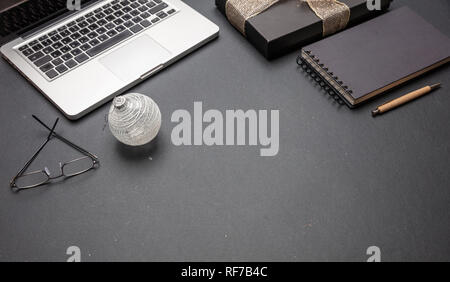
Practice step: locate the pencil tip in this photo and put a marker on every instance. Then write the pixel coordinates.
(435, 86)
(375, 112)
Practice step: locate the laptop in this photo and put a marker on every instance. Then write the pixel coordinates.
(82, 53)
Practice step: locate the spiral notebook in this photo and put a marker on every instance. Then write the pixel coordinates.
(371, 58)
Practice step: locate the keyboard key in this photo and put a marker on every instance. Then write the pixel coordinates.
(102, 22)
(93, 26)
(74, 28)
(155, 20)
(47, 42)
(94, 42)
(71, 64)
(146, 23)
(36, 56)
(91, 20)
(65, 49)
(81, 58)
(118, 14)
(118, 21)
(64, 33)
(158, 1)
(46, 67)
(136, 28)
(111, 33)
(53, 33)
(85, 31)
(100, 15)
(42, 61)
(101, 30)
(92, 35)
(56, 54)
(74, 44)
(66, 40)
(67, 57)
(103, 37)
(120, 28)
(109, 26)
(23, 47)
(71, 24)
(75, 52)
(110, 18)
(83, 39)
(80, 19)
(126, 17)
(48, 50)
(57, 45)
(128, 24)
(34, 42)
(51, 74)
(42, 38)
(61, 68)
(137, 20)
(83, 24)
(158, 8)
(37, 47)
(85, 47)
(57, 62)
(151, 4)
(27, 52)
(75, 36)
(162, 15)
(145, 15)
(109, 43)
(171, 11)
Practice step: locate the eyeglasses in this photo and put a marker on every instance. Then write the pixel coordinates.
(68, 169)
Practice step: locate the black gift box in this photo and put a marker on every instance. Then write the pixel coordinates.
(291, 24)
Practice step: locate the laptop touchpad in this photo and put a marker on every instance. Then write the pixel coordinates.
(136, 58)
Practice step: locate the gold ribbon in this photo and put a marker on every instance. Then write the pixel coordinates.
(334, 14)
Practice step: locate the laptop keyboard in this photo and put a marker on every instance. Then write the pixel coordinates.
(63, 49)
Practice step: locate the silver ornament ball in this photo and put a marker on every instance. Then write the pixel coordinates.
(134, 119)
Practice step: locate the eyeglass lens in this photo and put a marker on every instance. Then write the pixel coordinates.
(77, 166)
(32, 179)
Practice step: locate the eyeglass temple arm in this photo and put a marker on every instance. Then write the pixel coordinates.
(67, 141)
(37, 153)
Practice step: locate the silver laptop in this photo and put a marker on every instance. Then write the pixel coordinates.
(81, 58)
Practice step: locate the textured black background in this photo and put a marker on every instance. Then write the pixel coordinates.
(341, 182)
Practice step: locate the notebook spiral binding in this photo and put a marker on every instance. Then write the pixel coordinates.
(322, 82)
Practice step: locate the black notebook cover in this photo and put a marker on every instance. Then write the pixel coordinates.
(373, 57)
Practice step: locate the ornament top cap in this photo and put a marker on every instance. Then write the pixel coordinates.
(119, 102)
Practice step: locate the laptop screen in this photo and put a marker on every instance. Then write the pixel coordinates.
(19, 16)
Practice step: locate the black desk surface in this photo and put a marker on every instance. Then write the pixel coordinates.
(341, 182)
